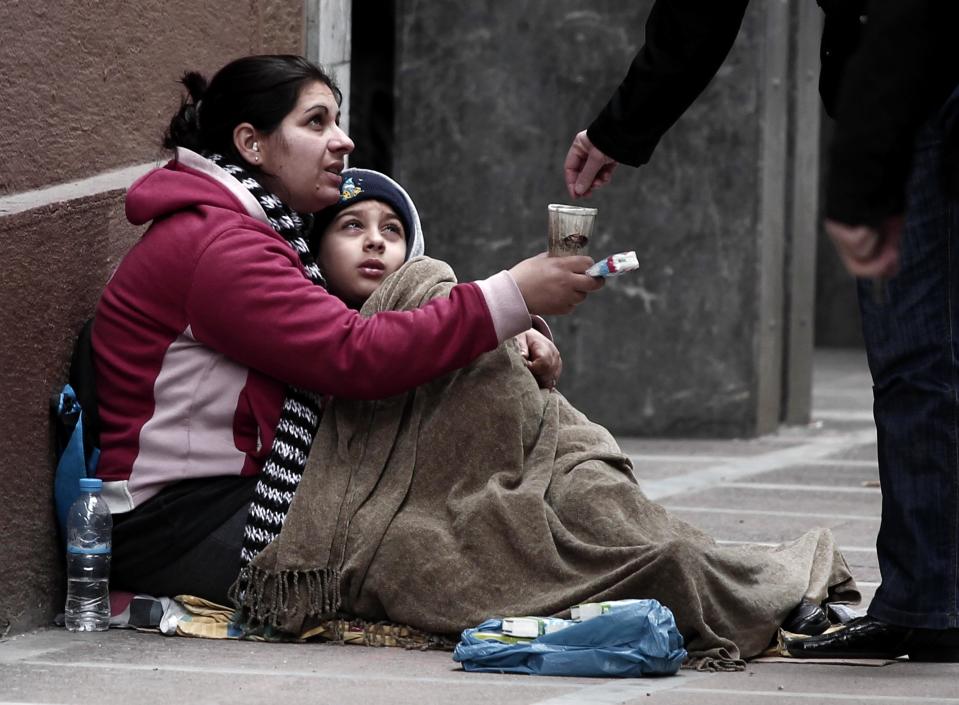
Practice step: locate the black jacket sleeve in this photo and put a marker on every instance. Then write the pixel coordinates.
(686, 42)
(902, 71)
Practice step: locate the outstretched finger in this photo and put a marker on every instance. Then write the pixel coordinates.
(594, 163)
(575, 158)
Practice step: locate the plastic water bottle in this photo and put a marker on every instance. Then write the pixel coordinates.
(89, 545)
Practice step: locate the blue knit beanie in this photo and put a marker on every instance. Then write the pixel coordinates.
(364, 185)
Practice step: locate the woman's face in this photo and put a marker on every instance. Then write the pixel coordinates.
(302, 159)
(363, 245)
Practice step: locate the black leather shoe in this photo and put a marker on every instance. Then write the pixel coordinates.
(867, 637)
(808, 618)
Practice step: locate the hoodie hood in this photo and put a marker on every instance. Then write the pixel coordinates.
(188, 181)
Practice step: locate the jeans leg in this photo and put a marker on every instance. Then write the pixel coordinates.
(912, 343)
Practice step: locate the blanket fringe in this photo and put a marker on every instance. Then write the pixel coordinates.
(270, 598)
(720, 660)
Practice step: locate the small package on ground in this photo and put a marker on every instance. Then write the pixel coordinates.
(588, 610)
(533, 626)
(639, 639)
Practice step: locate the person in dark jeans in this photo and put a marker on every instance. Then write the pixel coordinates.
(889, 72)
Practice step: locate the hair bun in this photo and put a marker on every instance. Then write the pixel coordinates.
(184, 129)
(195, 84)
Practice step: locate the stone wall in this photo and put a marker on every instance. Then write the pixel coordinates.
(488, 96)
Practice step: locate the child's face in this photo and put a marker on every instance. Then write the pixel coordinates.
(364, 244)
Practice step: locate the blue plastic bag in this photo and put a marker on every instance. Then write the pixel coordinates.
(636, 640)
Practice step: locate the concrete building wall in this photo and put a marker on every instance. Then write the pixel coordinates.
(488, 96)
(88, 88)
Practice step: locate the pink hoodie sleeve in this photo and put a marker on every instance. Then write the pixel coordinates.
(506, 305)
(250, 300)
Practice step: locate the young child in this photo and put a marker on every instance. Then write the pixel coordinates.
(371, 231)
(366, 235)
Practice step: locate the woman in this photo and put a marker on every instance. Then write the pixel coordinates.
(215, 339)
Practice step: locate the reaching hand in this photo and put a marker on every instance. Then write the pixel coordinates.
(867, 251)
(541, 356)
(554, 285)
(586, 167)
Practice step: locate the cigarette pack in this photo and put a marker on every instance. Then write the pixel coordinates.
(614, 265)
(588, 610)
(533, 626)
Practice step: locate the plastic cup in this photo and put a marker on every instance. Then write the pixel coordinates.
(570, 229)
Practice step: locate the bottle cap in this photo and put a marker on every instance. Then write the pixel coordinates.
(91, 484)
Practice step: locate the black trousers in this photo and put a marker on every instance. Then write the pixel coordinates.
(184, 541)
(207, 570)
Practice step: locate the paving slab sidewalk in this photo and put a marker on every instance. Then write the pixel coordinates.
(764, 490)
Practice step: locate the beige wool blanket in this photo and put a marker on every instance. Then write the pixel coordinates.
(481, 495)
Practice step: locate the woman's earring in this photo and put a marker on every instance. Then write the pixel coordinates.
(256, 148)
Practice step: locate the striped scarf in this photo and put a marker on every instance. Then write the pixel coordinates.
(300, 415)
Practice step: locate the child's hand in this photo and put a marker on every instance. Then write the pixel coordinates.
(542, 357)
(554, 285)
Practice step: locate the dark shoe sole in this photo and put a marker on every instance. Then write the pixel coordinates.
(946, 655)
(867, 637)
(950, 655)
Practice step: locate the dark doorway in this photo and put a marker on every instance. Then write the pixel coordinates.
(372, 69)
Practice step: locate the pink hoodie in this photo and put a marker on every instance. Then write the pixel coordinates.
(209, 317)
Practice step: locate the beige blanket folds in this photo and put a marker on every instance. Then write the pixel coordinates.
(481, 495)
